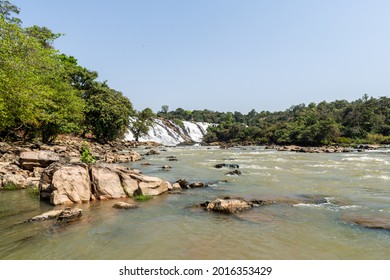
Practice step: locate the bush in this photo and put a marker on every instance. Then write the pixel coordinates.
(86, 155)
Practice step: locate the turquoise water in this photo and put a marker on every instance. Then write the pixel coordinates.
(167, 227)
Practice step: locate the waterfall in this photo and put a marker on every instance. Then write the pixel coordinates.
(168, 133)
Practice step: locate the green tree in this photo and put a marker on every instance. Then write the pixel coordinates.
(141, 123)
(107, 112)
(7, 10)
(34, 98)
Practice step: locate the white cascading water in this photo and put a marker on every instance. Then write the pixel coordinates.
(170, 134)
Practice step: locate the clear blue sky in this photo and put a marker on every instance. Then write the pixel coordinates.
(225, 55)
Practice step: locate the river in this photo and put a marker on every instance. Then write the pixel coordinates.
(167, 227)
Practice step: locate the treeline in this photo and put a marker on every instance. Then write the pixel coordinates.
(44, 93)
(366, 120)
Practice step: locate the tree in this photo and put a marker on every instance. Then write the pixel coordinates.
(43, 35)
(107, 112)
(35, 100)
(141, 123)
(6, 11)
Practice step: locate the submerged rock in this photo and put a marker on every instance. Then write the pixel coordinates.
(46, 216)
(234, 173)
(228, 205)
(372, 222)
(69, 215)
(124, 205)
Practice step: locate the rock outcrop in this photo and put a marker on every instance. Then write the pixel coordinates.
(78, 183)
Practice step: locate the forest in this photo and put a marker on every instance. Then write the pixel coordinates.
(366, 120)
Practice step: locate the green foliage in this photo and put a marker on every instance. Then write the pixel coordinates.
(34, 98)
(143, 197)
(107, 113)
(44, 93)
(141, 122)
(10, 187)
(86, 155)
(366, 120)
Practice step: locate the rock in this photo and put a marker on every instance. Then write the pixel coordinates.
(70, 184)
(152, 153)
(131, 156)
(14, 180)
(197, 185)
(226, 165)
(124, 205)
(183, 183)
(166, 167)
(47, 216)
(176, 187)
(228, 205)
(69, 215)
(373, 222)
(31, 159)
(151, 185)
(234, 173)
(106, 183)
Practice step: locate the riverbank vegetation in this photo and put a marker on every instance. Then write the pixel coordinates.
(44, 93)
(366, 120)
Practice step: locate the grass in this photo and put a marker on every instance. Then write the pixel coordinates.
(10, 187)
(143, 197)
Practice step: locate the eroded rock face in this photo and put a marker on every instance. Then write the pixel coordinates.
(78, 183)
(29, 160)
(70, 184)
(106, 183)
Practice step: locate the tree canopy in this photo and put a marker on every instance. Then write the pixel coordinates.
(44, 93)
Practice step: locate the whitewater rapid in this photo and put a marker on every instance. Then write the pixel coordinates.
(169, 133)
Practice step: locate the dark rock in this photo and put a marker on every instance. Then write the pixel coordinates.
(197, 185)
(234, 173)
(222, 165)
(166, 167)
(183, 183)
(152, 152)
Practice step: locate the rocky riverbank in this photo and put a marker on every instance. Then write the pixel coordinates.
(22, 164)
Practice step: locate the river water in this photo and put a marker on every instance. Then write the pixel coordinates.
(167, 227)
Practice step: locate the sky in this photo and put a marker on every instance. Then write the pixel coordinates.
(225, 55)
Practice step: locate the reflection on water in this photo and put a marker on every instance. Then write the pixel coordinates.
(167, 227)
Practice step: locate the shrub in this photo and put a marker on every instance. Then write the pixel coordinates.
(86, 155)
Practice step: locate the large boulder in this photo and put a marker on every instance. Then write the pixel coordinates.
(106, 182)
(70, 184)
(77, 183)
(29, 160)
